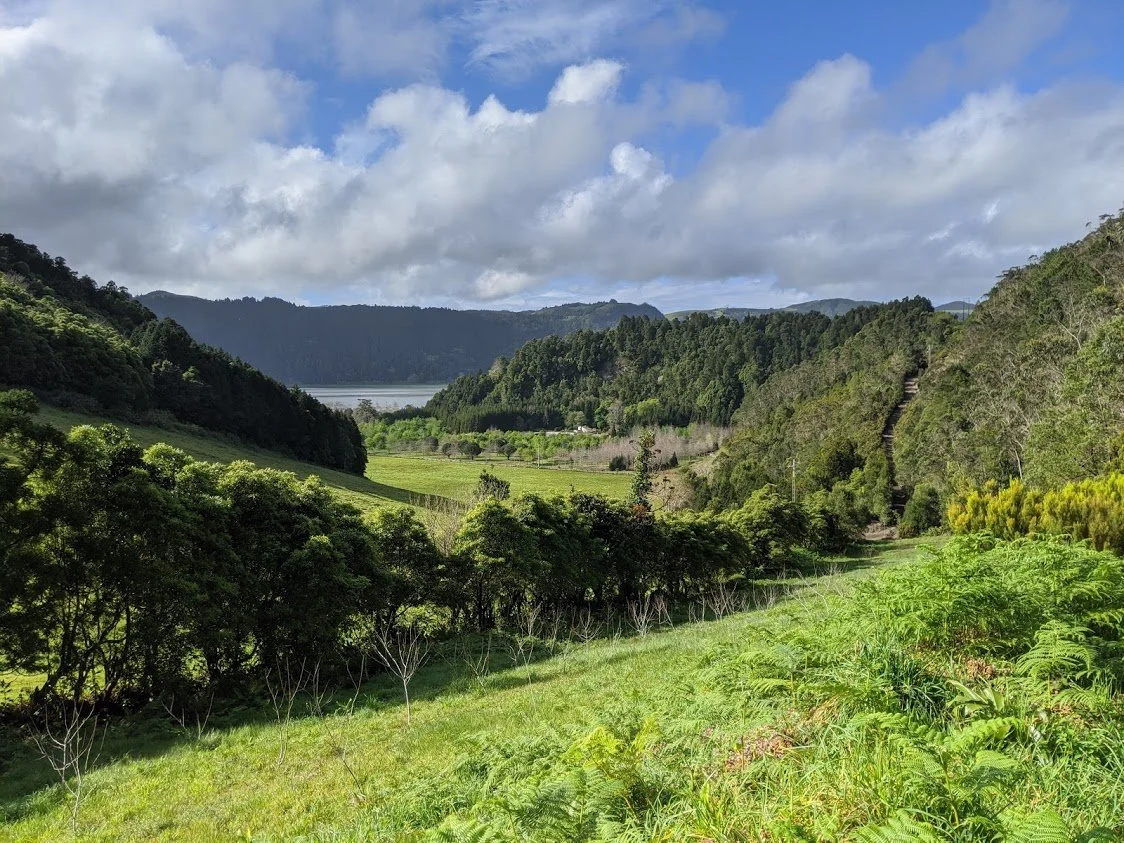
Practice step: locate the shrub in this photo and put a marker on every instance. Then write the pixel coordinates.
(1090, 510)
(922, 512)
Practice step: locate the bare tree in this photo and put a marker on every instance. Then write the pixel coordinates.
(66, 741)
(478, 661)
(642, 614)
(183, 715)
(442, 518)
(401, 650)
(319, 694)
(285, 681)
(586, 627)
(720, 599)
(696, 610)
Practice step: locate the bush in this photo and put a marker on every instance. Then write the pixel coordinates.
(922, 512)
(1090, 510)
(618, 463)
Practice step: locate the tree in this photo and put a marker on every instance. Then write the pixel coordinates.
(469, 448)
(501, 554)
(642, 473)
(490, 487)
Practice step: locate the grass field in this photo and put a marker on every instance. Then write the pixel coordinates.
(673, 736)
(389, 479)
(155, 782)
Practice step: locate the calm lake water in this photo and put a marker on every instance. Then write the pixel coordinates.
(384, 396)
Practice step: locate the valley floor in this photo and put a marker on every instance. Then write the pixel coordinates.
(408, 480)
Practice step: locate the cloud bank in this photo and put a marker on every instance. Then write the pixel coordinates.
(153, 147)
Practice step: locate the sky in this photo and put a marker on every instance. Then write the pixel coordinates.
(522, 153)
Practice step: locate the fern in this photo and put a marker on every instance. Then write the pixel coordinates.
(1039, 827)
(1061, 650)
(900, 828)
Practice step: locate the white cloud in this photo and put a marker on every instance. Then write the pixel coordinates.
(141, 161)
(586, 82)
(517, 36)
(1006, 36)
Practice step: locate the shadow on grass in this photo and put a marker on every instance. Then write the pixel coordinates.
(151, 733)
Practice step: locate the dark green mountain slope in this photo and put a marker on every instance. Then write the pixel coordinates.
(642, 372)
(828, 414)
(375, 344)
(71, 339)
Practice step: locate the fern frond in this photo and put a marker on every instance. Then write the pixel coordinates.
(980, 733)
(1039, 827)
(900, 828)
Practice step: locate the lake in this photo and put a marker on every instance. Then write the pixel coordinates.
(384, 396)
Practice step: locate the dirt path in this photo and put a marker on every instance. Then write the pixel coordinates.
(898, 494)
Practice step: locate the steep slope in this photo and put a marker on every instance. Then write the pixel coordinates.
(1034, 384)
(830, 415)
(375, 344)
(95, 346)
(898, 494)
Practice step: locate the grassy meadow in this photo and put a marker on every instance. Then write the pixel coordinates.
(410, 480)
(805, 716)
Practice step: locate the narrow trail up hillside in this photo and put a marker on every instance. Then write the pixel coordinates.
(898, 494)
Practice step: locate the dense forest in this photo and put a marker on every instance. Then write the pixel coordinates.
(1028, 386)
(642, 372)
(77, 342)
(1033, 386)
(374, 344)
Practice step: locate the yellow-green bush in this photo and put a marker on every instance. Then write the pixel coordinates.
(1090, 509)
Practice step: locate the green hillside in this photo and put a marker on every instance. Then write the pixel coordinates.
(853, 709)
(389, 479)
(95, 347)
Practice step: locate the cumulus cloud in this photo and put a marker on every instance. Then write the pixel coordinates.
(142, 161)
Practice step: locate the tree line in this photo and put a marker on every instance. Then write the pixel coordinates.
(96, 347)
(134, 572)
(640, 373)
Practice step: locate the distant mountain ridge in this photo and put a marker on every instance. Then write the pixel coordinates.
(375, 343)
(828, 307)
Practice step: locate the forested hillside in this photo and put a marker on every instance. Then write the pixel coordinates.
(1033, 387)
(374, 344)
(828, 414)
(828, 307)
(77, 342)
(642, 372)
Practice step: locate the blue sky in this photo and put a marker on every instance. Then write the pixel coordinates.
(515, 153)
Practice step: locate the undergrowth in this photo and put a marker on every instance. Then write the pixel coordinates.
(972, 694)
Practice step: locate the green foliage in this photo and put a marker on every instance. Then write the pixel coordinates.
(68, 338)
(1031, 387)
(829, 413)
(642, 470)
(492, 487)
(1091, 510)
(923, 511)
(641, 372)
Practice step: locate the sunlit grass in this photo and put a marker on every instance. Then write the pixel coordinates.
(412, 481)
